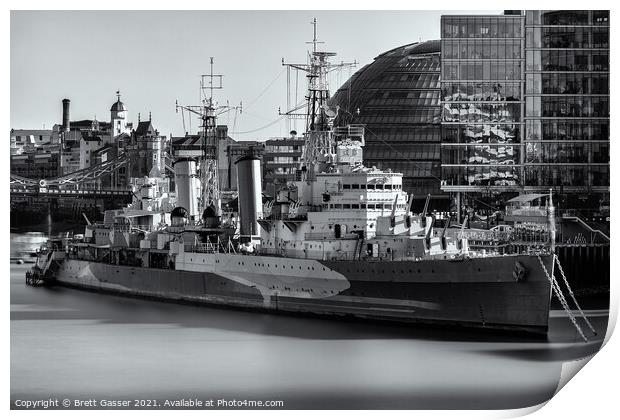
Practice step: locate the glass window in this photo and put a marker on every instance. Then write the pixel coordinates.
(486, 70)
(600, 17)
(509, 50)
(446, 27)
(516, 49)
(600, 175)
(565, 17)
(485, 27)
(502, 28)
(532, 17)
(600, 61)
(495, 53)
(462, 27)
(517, 28)
(600, 38)
(533, 37)
(470, 27)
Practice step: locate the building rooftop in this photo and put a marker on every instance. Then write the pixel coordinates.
(144, 128)
(86, 136)
(118, 106)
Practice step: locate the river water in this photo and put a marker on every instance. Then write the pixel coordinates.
(67, 343)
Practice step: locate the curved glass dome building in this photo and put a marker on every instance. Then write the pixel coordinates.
(397, 98)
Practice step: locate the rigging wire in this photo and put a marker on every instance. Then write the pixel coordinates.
(349, 89)
(296, 96)
(256, 116)
(234, 120)
(260, 128)
(252, 102)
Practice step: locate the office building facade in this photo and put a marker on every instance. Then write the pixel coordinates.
(525, 107)
(482, 106)
(567, 105)
(281, 162)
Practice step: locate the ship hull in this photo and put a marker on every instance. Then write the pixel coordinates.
(483, 292)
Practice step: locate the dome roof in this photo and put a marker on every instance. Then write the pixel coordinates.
(118, 106)
(397, 97)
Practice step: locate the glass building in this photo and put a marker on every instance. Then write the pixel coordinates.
(567, 105)
(397, 98)
(525, 106)
(482, 103)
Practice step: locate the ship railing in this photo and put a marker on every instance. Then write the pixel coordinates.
(122, 228)
(355, 131)
(504, 237)
(204, 248)
(527, 211)
(282, 216)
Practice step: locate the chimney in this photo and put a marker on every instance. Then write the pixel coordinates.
(221, 131)
(65, 114)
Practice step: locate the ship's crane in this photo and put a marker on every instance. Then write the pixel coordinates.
(208, 112)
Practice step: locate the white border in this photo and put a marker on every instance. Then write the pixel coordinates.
(591, 395)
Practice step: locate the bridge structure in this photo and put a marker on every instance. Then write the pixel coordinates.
(78, 184)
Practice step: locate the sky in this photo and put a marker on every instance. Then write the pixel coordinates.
(156, 58)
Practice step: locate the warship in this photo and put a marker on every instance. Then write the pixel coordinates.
(339, 241)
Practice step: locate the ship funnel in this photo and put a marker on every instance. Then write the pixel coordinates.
(187, 186)
(250, 194)
(65, 114)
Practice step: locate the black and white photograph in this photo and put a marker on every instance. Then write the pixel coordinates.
(307, 209)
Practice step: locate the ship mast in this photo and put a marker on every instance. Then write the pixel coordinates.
(318, 145)
(208, 111)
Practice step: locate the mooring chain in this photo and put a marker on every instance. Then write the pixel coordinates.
(556, 289)
(570, 290)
